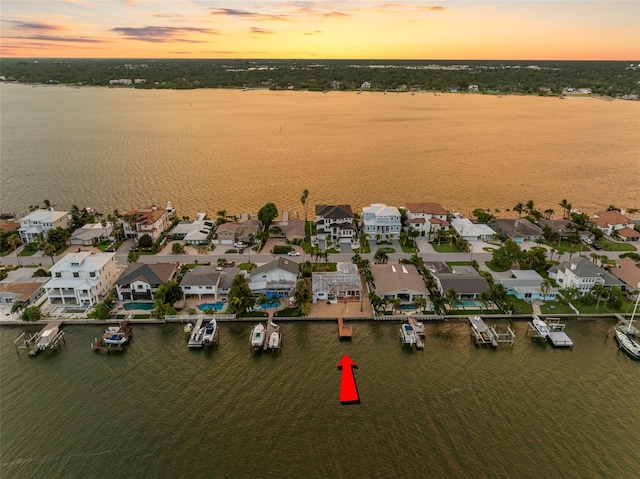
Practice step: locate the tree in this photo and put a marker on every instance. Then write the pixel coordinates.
(46, 204)
(240, 295)
(32, 313)
(395, 304)
(508, 254)
(599, 291)
(14, 241)
(566, 208)
(49, 250)
(375, 301)
(545, 286)
(614, 299)
(301, 294)
(267, 214)
(518, 208)
(161, 310)
(439, 303)
(303, 200)
(168, 293)
(177, 248)
(420, 303)
(536, 257)
(380, 257)
(451, 298)
(498, 295)
(145, 241)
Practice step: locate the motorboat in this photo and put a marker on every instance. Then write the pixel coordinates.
(408, 334)
(45, 338)
(541, 327)
(187, 328)
(257, 336)
(210, 330)
(116, 338)
(274, 340)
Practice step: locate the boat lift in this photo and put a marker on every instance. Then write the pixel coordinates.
(47, 339)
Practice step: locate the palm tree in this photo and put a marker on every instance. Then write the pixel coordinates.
(49, 250)
(439, 303)
(420, 303)
(303, 200)
(519, 207)
(485, 297)
(451, 298)
(380, 257)
(600, 292)
(395, 304)
(529, 206)
(566, 208)
(546, 286)
(548, 213)
(46, 204)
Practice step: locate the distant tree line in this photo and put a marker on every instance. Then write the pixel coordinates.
(521, 77)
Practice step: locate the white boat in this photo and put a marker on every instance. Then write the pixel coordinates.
(45, 338)
(257, 336)
(197, 334)
(274, 340)
(114, 337)
(187, 328)
(541, 327)
(210, 332)
(626, 341)
(408, 334)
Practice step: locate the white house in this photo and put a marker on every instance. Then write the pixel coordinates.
(365, 85)
(39, 222)
(81, 278)
(201, 280)
(427, 217)
(610, 221)
(90, 234)
(472, 231)
(341, 285)
(193, 232)
(335, 222)
(382, 220)
(528, 285)
(275, 279)
(150, 221)
(583, 274)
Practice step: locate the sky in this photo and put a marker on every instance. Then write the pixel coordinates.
(329, 29)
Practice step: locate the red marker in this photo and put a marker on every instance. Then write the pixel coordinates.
(348, 388)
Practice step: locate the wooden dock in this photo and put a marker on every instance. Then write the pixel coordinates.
(482, 335)
(125, 330)
(344, 332)
(554, 335)
(418, 328)
(47, 339)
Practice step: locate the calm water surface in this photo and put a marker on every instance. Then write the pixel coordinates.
(210, 150)
(452, 410)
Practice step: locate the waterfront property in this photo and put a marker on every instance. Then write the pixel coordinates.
(91, 234)
(39, 222)
(196, 232)
(519, 230)
(335, 223)
(81, 278)
(528, 285)
(291, 229)
(464, 280)
(583, 274)
(395, 280)
(341, 285)
(141, 281)
(151, 221)
(201, 280)
(610, 221)
(628, 271)
(277, 278)
(380, 221)
(19, 287)
(472, 231)
(237, 231)
(427, 217)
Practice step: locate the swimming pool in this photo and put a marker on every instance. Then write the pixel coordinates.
(470, 303)
(270, 304)
(219, 306)
(133, 305)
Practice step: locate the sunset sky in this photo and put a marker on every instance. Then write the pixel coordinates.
(355, 29)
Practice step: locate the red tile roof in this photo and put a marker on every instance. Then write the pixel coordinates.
(604, 219)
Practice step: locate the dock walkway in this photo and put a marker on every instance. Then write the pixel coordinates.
(196, 340)
(47, 339)
(482, 334)
(418, 329)
(343, 331)
(125, 330)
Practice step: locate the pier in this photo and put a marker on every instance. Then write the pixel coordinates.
(344, 332)
(418, 328)
(551, 330)
(47, 339)
(124, 331)
(196, 340)
(482, 334)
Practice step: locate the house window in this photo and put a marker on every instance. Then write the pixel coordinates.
(58, 275)
(139, 286)
(187, 287)
(209, 287)
(92, 274)
(76, 275)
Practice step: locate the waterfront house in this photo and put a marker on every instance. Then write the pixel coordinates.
(472, 231)
(40, 221)
(151, 221)
(335, 223)
(610, 221)
(564, 229)
(628, 234)
(201, 281)
(291, 229)
(20, 287)
(519, 230)
(341, 285)
(276, 279)
(628, 271)
(583, 274)
(81, 278)
(427, 217)
(233, 231)
(382, 222)
(141, 281)
(90, 234)
(196, 232)
(528, 285)
(464, 280)
(365, 85)
(397, 280)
